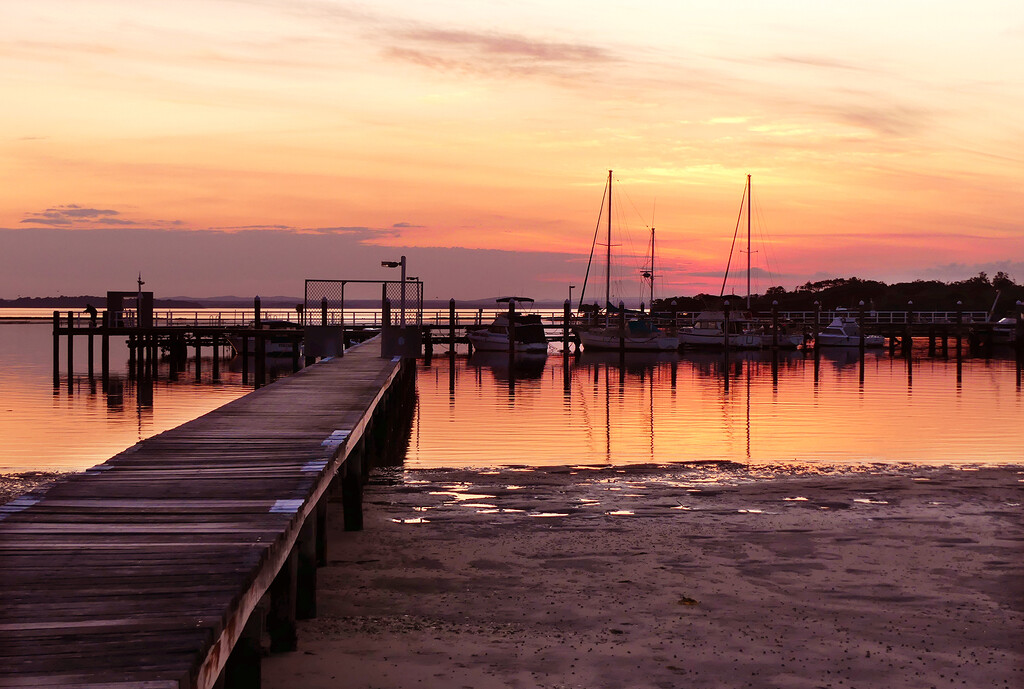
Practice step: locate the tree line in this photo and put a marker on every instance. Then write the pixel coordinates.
(978, 293)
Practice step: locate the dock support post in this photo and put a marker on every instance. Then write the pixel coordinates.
(775, 328)
(908, 334)
(216, 356)
(860, 326)
(511, 335)
(725, 342)
(622, 328)
(321, 532)
(1020, 330)
(71, 352)
(295, 355)
(261, 346)
(105, 349)
(281, 617)
(959, 328)
(451, 327)
(352, 490)
(199, 358)
(56, 349)
(92, 350)
(245, 359)
(243, 667)
(566, 318)
(131, 357)
(428, 346)
(306, 547)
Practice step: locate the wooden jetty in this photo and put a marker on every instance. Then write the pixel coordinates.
(173, 563)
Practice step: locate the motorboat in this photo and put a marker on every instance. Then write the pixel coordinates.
(529, 330)
(1004, 331)
(844, 331)
(708, 330)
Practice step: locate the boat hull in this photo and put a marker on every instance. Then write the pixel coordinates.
(717, 339)
(603, 341)
(485, 341)
(849, 341)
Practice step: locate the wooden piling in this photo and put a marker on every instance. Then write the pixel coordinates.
(281, 616)
(566, 318)
(860, 326)
(622, 328)
(216, 357)
(775, 330)
(71, 352)
(199, 359)
(511, 335)
(105, 349)
(352, 491)
(908, 334)
(959, 329)
(261, 346)
(91, 348)
(305, 595)
(56, 349)
(725, 343)
(451, 327)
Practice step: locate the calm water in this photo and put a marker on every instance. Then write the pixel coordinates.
(669, 408)
(663, 408)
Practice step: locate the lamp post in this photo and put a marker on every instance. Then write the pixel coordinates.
(571, 288)
(398, 264)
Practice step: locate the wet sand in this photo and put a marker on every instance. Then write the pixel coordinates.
(654, 577)
(15, 484)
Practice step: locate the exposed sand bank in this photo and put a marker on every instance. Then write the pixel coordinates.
(655, 579)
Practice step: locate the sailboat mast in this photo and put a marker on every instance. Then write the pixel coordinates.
(652, 272)
(750, 193)
(608, 261)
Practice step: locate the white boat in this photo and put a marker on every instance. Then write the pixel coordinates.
(844, 331)
(639, 334)
(709, 331)
(529, 331)
(1004, 331)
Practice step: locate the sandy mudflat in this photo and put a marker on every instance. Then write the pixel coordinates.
(664, 577)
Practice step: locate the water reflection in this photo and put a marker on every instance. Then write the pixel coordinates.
(73, 422)
(752, 408)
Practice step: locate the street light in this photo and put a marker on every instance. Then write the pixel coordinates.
(571, 288)
(398, 264)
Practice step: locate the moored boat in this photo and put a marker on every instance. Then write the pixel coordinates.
(637, 333)
(528, 329)
(844, 331)
(709, 330)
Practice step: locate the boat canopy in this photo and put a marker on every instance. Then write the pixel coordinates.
(506, 300)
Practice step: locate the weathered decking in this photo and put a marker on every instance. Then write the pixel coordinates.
(146, 571)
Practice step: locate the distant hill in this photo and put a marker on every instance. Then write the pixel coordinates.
(80, 302)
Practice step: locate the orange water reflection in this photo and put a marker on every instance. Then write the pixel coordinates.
(671, 408)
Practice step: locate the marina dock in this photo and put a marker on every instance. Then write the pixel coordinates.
(179, 561)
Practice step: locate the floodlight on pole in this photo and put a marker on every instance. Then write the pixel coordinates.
(398, 264)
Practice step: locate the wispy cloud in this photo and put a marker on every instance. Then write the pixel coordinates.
(73, 214)
(488, 53)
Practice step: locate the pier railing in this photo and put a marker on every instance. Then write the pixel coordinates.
(440, 318)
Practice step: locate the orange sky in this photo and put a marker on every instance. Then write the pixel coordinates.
(884, 139)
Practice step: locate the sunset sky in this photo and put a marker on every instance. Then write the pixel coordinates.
(238, 147)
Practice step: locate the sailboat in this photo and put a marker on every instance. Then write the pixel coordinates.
(709, 328)
(631, 333)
